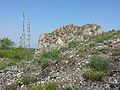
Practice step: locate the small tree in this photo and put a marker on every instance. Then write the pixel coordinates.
(6, 43)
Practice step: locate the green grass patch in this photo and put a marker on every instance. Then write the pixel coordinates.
(94, 75)
(15, 53)
(99, 64)
(105, 36)
(100, 67)
(51, 85)
(52, 54)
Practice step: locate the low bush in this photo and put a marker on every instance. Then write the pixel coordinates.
(50, 55)
(94, 75)
(99, 69)
(99, 64)
(46, 86)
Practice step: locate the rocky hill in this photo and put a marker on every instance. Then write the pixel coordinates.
(66, 34)
(76, 57)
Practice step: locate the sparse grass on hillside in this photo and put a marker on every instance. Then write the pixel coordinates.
(94, 75)
(4, 63)
(15, 53)
(50, 55)
(105, 36)
(99, 64)
(51, 85)
(99, 68)
(13, 56)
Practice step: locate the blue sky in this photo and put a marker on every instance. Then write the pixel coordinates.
(47, 15)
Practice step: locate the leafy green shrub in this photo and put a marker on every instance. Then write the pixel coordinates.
(94, 75)
(6, 43)
(52, 54)
(99, 64)
(72, 44)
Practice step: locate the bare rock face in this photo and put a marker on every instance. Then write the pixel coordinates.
(64, 34)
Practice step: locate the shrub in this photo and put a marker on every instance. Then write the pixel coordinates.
(6, 43)
(46, 86)
(51, 54)
(99, 64)
(94, 75)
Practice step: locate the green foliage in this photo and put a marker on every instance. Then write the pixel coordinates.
(100, 68)
(6, 43)
(72, 44)
(50, 55)
(50, 85)
(46, 86)
(94, 75)
(15, 53)
(99, 64)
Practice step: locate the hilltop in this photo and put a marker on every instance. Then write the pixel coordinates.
(76, 57)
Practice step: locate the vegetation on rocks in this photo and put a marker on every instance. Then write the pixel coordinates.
(99, 69)
(52, 54)
(85, 59)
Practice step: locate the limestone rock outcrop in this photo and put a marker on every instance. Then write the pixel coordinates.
(67, 33)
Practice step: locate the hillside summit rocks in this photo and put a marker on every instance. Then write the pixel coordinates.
(66, 34)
